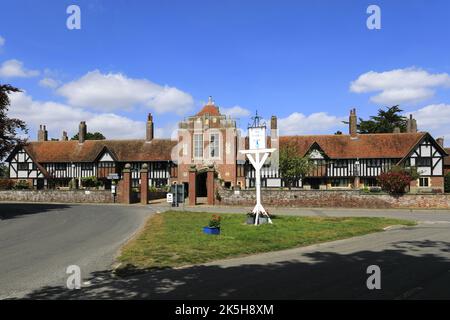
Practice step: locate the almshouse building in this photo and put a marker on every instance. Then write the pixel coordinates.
(210, 141)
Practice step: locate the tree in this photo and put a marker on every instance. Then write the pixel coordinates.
(91, 136)
(292, 166)
(384, 122)
(9, 127)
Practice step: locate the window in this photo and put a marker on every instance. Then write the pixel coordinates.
(22, 166)
(60, 166)
(198, 145)
(423, 162)
(342, 183)
(424, 182)
(87, 166)
(214, 145)
(373, 163)
(340, 164)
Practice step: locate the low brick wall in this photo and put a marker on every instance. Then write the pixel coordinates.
(72, 196)
(331, 198)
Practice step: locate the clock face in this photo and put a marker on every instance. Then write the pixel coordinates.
(257, 138)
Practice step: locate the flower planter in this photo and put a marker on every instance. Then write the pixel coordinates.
(209, 230)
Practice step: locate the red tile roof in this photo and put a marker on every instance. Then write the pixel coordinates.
(210, 109)
(122, 150)
(386, 145)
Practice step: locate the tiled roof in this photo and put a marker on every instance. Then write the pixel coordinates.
(386, 145)
(122, 150)
(210, 109)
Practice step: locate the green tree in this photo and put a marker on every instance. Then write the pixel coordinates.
(3, 171)
(91, 136)
(292, 166)
(447, 182)
(9, 127)
(384, 122)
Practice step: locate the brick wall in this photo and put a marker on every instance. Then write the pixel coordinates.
(342, 199)
(72, 196)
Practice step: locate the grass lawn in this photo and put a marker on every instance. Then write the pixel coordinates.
(173, 238)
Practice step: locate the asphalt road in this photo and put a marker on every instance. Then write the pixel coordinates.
(39, 241)
(414, 261)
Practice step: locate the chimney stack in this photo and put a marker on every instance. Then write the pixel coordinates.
(273, 127)
(352, 123)
(411, 125)
(42, 133)
(440, 141)
(82, 132)
(64, 136)
(150, 128)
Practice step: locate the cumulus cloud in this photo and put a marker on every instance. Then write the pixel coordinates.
(113, 91)
(49, 83)
(315, 123)
(410, 85)
(236, 112)
(59, 117)
(15, 69)
(434, 118)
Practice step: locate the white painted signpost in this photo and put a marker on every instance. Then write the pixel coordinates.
(258, 154)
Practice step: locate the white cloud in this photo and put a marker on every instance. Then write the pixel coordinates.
(15, 69)
(59, 117)
(49, 83)
(434, 118)
(236, 112)
(320, 122)
(399, 86)
(2, 41)
(116, 91)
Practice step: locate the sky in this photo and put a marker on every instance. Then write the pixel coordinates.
(307, 62)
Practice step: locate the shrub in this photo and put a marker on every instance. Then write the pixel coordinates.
(91, 182)
(6, 184)
(447, 182)
(394, 182)
(22, 185)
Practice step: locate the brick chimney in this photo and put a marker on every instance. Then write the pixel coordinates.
(352, 123)
(82, 132)
(273, 126)
(411, 125)
(150, 128)
(42, 133)
(64, 136)
(440, 141)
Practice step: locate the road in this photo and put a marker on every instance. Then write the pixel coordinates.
(39, 241)
(414, 262)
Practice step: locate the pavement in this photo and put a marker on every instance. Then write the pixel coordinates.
(414, 261)
(39, 241)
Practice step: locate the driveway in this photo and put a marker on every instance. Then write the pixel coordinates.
(414, 263)
(39, 241)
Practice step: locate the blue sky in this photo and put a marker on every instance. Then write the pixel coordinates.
(308, 62)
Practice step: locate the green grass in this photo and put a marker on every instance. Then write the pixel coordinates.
(172, 238)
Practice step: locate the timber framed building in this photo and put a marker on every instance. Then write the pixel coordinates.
(210, 140)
